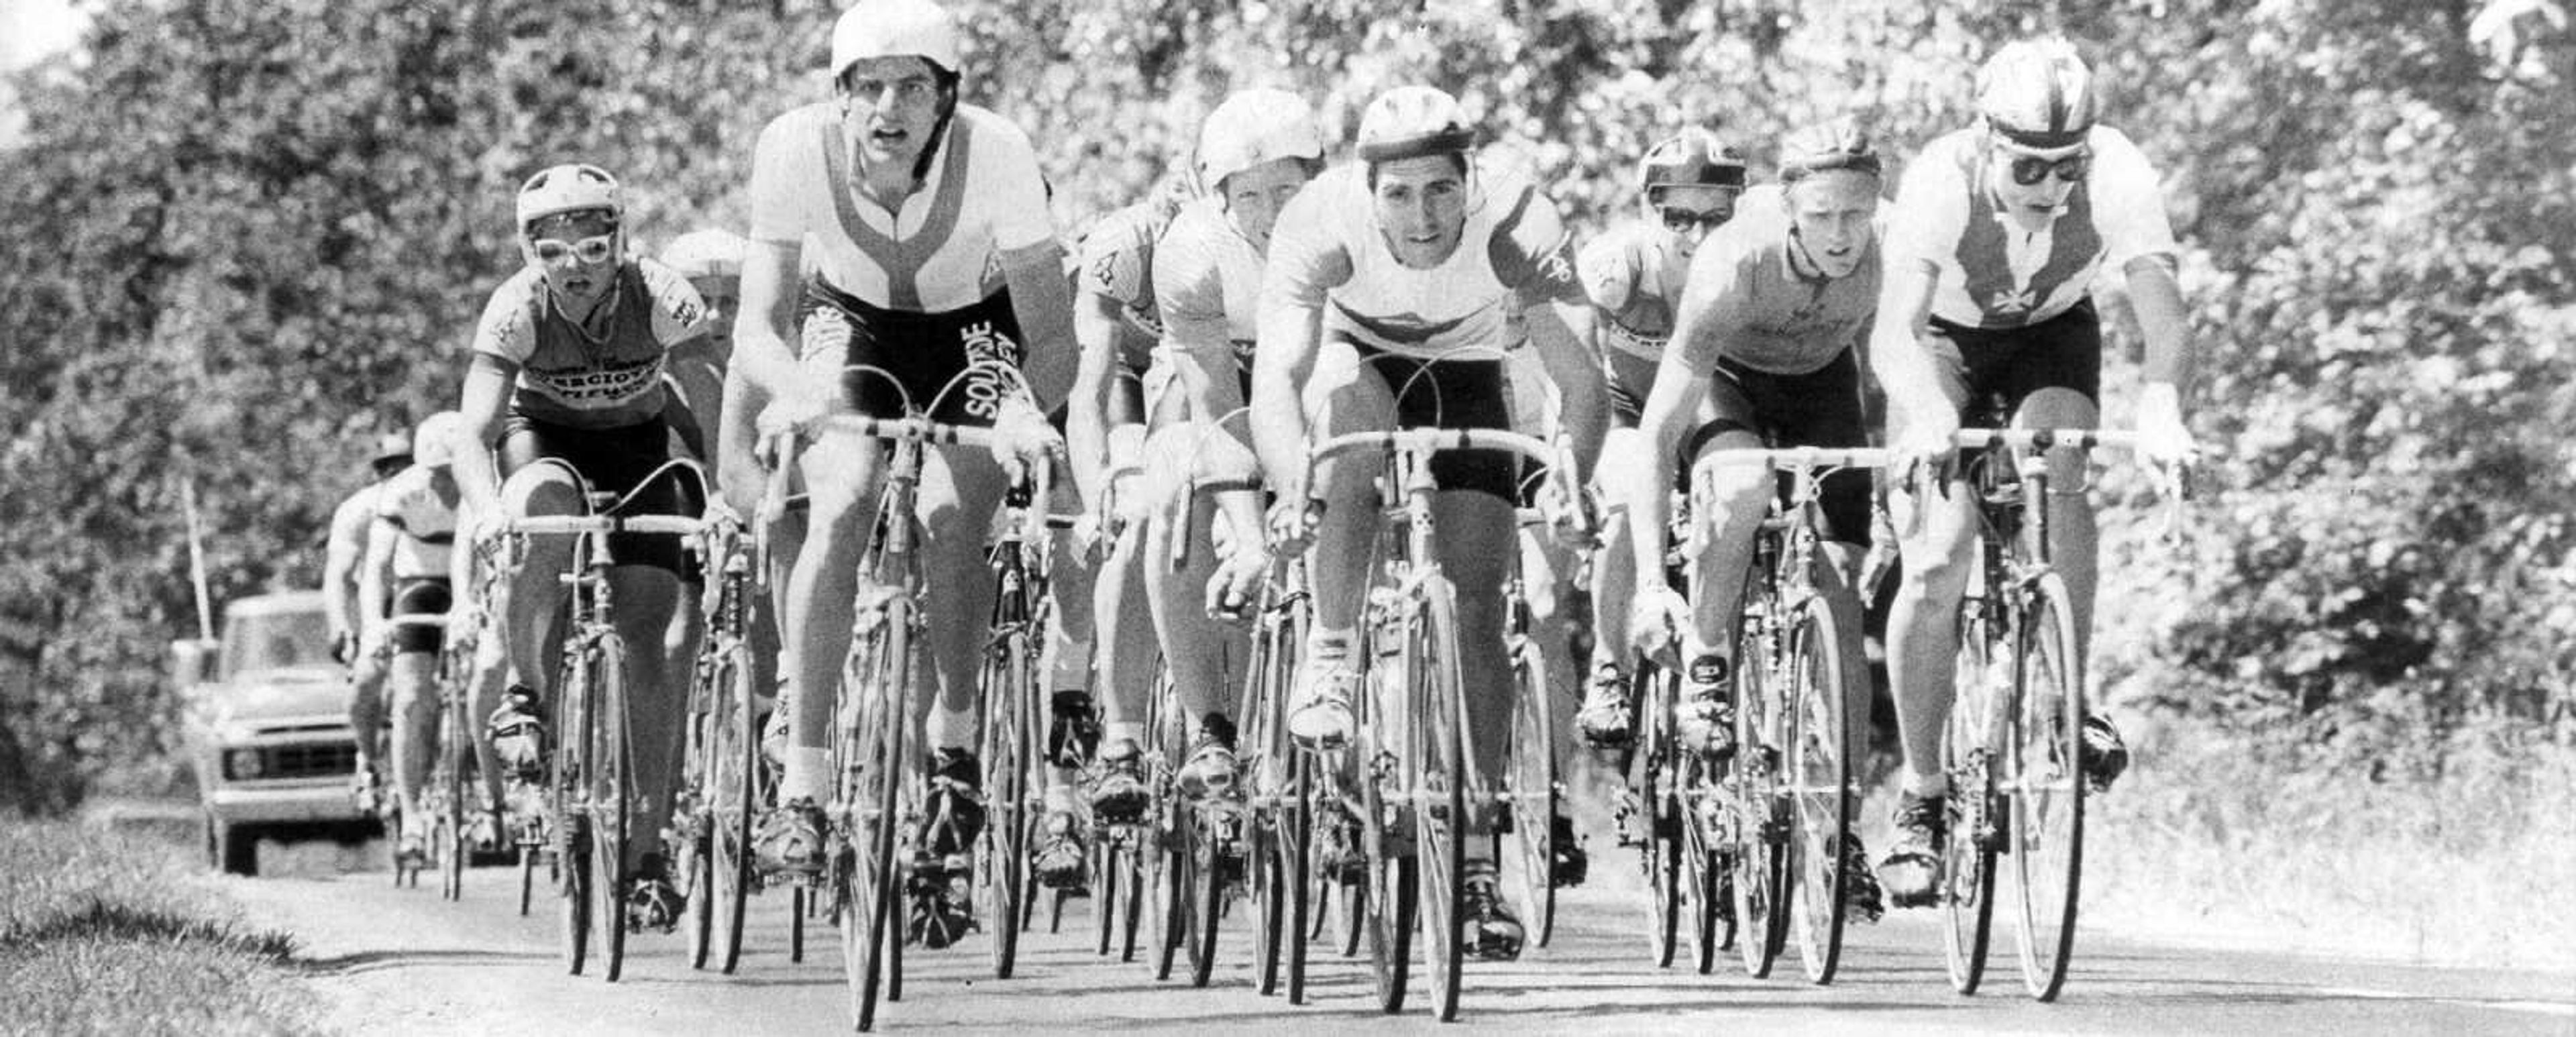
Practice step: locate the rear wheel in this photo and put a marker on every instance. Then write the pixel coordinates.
(234, 848)
(2046, 790)
(1820, 789)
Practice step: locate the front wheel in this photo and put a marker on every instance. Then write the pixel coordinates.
(2044, 785)
(1820, 788)
(612, 794)
(1441, 822)
(1534, 794)
(1966, 877)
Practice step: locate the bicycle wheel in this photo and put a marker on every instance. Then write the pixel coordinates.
(1700, 878)
(1820, 788)
(2045, 787)
(1002, 868)
(612, 794)
(1534, 793)
(692, 813)
(1967, 873)
(1661, 843)
(1389, 906)
(1441, 823)
(1759, 854)
(733, 805)
(1291, 856)
(567, 786)
(448, 783)
(868, 887)
(1169, 851)
(1213, 831)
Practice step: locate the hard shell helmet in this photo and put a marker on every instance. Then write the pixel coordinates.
(1411, 122)
(434, 442)
(2037, 94)
(1253, 127)
(895, 28)
(1839, 143)
(391, 446)
(1691, 158)
(709, 252)
(573, 187)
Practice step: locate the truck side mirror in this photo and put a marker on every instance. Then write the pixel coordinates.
(192, 662)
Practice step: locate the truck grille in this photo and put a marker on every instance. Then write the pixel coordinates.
(306, 760)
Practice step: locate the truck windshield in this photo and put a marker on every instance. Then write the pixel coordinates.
(275, 640)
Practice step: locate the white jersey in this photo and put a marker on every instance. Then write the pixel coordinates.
(1992, 274)
(1207, 278)
(940, 250)
(423, 521)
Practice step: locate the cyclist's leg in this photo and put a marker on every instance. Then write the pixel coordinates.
(530, 600)
(1937, 532)
(1727, 503)
(2057, 386)
(1126, 673)
(1342, 395)
(367, 673)
(1206, 655)
(844, 477)
(657, 618)
(1608, 704)
(412, 680)
(960, 489)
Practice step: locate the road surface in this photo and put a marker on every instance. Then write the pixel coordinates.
(402, 961)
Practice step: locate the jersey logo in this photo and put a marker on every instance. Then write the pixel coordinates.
(2012, 302)
(1555, 269)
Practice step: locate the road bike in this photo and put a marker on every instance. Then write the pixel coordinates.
(722, 776)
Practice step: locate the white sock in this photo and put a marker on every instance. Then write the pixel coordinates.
(804, 775)
(1919, 786)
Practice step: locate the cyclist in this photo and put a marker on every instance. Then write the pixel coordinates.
(711, 260)
(1998, 234)
(1116, 322)
(1690, 183)
(1376, 270)
(1770, 318)
(1256, 151)
(566, 394)
(408, 543)
(354, 620)
(934, 251)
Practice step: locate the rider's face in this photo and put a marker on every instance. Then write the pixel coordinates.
(1253, 197)
(1421, 208)
(2039, 200)
(890, 105)
(1690, 211)
(1830, 214)
(722, 295)
(568, 247)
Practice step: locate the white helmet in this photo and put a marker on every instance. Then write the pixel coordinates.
(573, 187)
(2037, 94)
(1253, 127)
(1413, 121)
(895, 28)
(434, 443)
(709, 252)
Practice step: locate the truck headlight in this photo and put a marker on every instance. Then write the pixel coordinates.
(243, 763)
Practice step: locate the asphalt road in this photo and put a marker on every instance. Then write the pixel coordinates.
(402, 961)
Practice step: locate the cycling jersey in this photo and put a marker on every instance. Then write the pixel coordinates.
(1634, 279)
(1328, 252)
(1769, 313)
(1207, 276)
(1992, 274)
(1117, 261)
(940, 250)
(424, 521)
(604, 375)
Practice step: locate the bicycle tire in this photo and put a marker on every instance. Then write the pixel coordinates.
(612, 800)
(1820, 783)
(1759, 851)
(693, 810)
(1389, 907)
(1966, 876)
(1276, 854)
(1700, 866)
(2047, 787)
(1296, 860)
(1661, 845)
(453, 846)
(527, 878)
(567, 788)
(1209, 836)
(1168, 871)
(1002, 872)
(1535, 793)
(1441, 823)
(868, 884)
(735, 805)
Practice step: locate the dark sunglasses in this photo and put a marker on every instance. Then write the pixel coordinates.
(2031, 169)
(388, 467)
(1680, 220)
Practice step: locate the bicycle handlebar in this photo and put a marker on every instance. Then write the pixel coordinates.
(916, 429)
(1804, 457)
(574, 525)
(2047, 438)
(1433, 440)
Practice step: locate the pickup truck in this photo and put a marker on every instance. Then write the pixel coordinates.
(267, 728)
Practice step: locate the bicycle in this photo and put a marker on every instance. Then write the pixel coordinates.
(1676, 803)
(1533, 791)
(590, 784)
(2014, 742)
(1409, 755)
(722, 775)
(1283, 782)
(1794, 782)
(442, 799)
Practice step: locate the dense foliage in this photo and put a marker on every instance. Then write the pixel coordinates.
(243, 234)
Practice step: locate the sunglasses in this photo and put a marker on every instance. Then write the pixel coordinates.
(2031, 169)
(387, 468)
(588, 250)
(1682, 221)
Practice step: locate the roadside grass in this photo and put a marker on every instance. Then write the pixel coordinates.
(102, 932)
(2211, 836)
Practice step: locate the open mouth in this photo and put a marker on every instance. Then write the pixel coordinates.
(888, 138)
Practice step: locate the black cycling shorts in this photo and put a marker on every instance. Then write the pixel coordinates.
(923, 352)
(614, 460)
(2001, 367)
(420, 596)
(1821, 408)
(1452, 394)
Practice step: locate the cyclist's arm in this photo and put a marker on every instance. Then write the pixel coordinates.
(340, 556)
(739, 474)
(2138, 239)
(764, 333)
(1562, 334)
(1703, 321)
(1906, 370)
(1189, 292)
(1306, 261)
(486, 398)
(1044, 305)
(374, 574)
(2157, 297)
(1096, 324)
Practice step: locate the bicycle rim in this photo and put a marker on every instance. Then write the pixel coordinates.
(1534, 795)
(869, 888)
(1966, 878)
(1758, 841)
(566, 786)
(1698, 877)
(1662, 844)
(1171, 839)
(737, 799)
(1441, 822)
(693, 816)
(2047, 790)
(612, 797)
(1820, 785)
(1003, 872)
